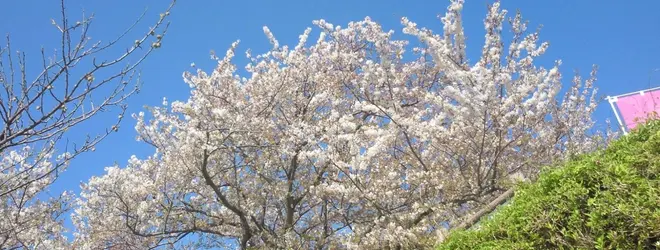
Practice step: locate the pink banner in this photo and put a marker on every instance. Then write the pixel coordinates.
(638, 107)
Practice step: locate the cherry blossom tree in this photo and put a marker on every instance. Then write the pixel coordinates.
(79, 81)
(343, 143)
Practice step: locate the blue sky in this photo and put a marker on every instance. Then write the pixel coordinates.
(622, 38)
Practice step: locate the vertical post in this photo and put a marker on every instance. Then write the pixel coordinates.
(612, 100)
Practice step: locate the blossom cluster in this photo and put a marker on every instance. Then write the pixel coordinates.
(356, 140)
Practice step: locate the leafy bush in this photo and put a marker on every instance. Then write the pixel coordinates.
(605, 200)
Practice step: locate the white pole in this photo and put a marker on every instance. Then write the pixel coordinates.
(636, 92)
(612, 100)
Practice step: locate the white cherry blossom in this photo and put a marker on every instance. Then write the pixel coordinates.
(349, 142)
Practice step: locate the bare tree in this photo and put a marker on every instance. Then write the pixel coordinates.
(75, 83)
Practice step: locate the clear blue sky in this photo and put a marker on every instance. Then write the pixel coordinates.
(622, 38)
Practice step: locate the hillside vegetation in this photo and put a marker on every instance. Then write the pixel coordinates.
(604, 200)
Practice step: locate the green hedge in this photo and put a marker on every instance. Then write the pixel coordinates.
(605, 200)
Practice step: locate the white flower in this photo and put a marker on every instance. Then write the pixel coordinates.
(325, 135)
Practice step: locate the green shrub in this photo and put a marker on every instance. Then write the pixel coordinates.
(605, 200)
